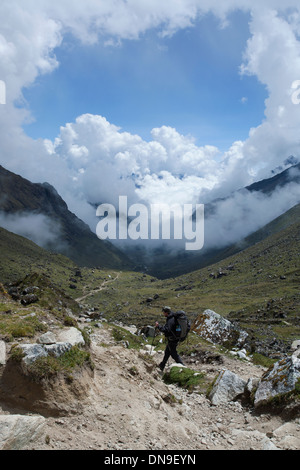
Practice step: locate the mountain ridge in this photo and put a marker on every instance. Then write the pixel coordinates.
(73, 238)
(185, 262)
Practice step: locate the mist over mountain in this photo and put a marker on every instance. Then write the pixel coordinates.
(232, 224)
(36, 211)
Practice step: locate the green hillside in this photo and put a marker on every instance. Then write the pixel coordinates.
(73, 239)
(20, 257)
(166, 265)
(257, 287)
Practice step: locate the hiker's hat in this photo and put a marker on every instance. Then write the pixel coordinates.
(166, 309)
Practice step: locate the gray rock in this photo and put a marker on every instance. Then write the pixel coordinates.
(251, 385)
(71, 335)
(57, 349)
(268, 445)
(214, 328)
(32, 352)
(278, 380)
(35, 351)
(295, 345)
(2, 353)
(47, 338)
(227, 387)
(18, 431)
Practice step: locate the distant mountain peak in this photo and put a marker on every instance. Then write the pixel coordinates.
(288, 162)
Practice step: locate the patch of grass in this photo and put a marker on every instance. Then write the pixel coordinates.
(184, 377)
(261, 360)
(122, 335)
(50, 366)
(13, 326)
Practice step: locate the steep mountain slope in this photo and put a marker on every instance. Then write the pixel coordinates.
(166, 265)
(46, 212)
(268, 185)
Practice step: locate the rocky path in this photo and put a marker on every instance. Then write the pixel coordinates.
(130, 408)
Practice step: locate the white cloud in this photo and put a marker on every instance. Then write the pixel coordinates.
(93, 160)
(245, 212)
(37, 227)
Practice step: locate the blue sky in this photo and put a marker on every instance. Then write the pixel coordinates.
(190, 81)
(145, 98)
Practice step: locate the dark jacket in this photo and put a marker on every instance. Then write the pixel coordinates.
(169, 327)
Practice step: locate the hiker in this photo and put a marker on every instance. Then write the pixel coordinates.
(169, 331)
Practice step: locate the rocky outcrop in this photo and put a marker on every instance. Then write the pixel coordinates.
(42, 386)
(52, 345)
(278, 381)
(276, 386)
(216, 329)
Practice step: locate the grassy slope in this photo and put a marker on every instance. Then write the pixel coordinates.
(20, 257)
(166, 266)
(261, 289)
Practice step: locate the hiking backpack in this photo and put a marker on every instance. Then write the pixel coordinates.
(182, 325)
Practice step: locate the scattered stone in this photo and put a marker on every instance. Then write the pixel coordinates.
(47, 338)
(242, 354)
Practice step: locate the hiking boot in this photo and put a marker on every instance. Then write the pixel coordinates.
(161, 366)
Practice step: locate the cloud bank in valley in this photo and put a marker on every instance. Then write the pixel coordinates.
(37, 227)
(93, 161)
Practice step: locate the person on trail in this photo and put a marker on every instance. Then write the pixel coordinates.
(168, 330)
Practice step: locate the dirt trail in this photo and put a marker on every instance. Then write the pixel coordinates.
(129, 407)
(102, 286)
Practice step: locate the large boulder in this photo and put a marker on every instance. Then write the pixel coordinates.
(278, 381)
(17, 431)
(226, 388)
(217, 329)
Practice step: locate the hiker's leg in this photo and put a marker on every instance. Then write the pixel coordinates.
(166, 357)
(174, 353)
